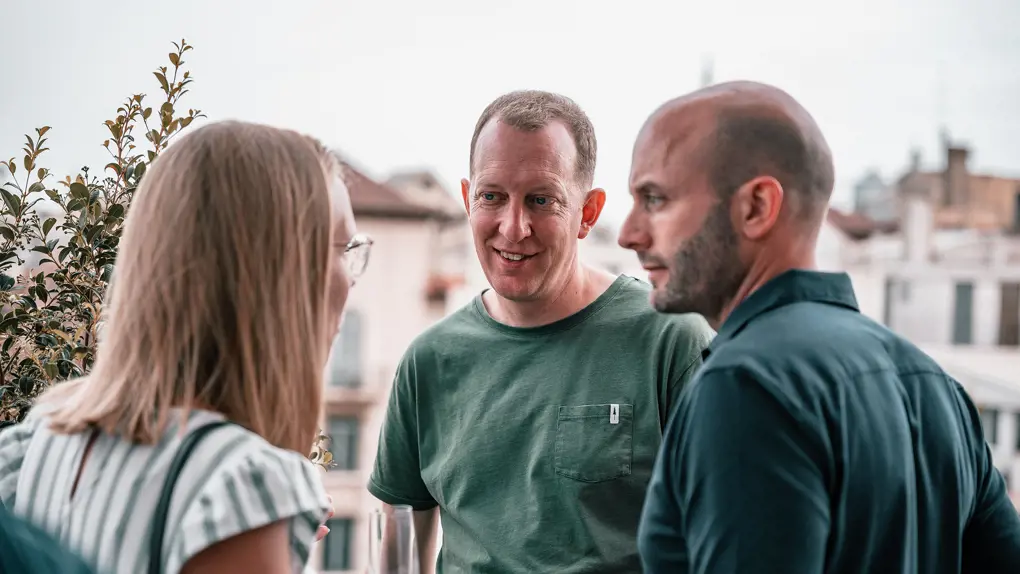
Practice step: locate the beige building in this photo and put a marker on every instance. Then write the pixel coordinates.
(418, 232)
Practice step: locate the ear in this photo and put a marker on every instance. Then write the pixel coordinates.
(594, 201)
(465, 192)
(756, 206)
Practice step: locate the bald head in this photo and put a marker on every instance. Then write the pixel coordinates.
(740, 130)
(726, 180)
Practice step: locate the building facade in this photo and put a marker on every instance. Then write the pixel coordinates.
(412, 269)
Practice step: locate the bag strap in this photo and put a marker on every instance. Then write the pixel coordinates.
(160, 516)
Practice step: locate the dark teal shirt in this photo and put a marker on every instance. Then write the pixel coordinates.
(814, 440)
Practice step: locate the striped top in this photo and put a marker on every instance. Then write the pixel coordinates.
(233, 481)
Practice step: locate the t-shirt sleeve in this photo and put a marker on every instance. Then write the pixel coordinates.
(14, 441)
(248, 491)
(743, 462)
(696, 336)
(396, 477)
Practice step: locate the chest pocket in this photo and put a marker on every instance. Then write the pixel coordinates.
(594, 443)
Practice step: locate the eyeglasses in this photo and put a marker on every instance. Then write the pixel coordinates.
(356, 255)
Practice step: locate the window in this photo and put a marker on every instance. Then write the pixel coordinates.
(890, 288)
(963, 314)
(1016, 211)
(990, 425)
(904, 290)
(337, 546)
(343, 442)
(1017, 432)
(345, 359)
(1009, 315)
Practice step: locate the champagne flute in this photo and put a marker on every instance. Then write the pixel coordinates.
(392, 548)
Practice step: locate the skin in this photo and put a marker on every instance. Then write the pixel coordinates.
(524, 198)
(705, 254)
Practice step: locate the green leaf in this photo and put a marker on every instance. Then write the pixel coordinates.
(146, 113)
(29, 164)
(11, 166)
(7, 232)
(12, 201)
(166, 108)
(41, 174)
(36, 187)
(48, 225)
(162, 81)
(79, 191)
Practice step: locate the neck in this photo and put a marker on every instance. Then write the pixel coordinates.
(761, 272)
(582, 287)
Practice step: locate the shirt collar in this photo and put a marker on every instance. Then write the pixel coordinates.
(793, 286)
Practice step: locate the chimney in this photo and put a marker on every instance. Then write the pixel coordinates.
(956, 178)
(915, 160)
(918, 227)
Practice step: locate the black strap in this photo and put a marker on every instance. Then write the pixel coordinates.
(160, 516)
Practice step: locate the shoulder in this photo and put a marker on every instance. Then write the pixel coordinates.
(448, 334)
(632, 303)
(631, 314)
(14, 444)
(247, 483)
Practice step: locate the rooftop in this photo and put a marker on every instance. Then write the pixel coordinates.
(371, 198)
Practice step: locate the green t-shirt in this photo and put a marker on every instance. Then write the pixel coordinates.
(537, 444)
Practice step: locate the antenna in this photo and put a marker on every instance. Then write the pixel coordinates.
(707, 70)
(941, 103)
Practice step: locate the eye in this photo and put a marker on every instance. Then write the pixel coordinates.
(542, 201)
(488, 196)
(651, 201)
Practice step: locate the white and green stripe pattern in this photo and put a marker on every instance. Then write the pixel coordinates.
(234, 481)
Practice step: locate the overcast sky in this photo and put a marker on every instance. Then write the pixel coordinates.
(399, 84)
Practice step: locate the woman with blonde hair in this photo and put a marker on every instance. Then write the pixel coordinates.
(231, 277)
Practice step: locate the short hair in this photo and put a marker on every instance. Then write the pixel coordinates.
(749, 143)
(532, 110)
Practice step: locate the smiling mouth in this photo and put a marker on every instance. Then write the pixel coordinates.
(513, 256)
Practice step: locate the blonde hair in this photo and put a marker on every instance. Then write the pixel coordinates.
(219, 295)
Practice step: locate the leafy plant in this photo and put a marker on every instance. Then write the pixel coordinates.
(58, 244)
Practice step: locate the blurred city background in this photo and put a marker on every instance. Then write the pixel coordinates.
(918, 101)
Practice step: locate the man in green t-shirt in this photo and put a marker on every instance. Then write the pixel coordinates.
(531, 417)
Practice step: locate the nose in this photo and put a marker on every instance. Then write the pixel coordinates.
(633, 233)
(515, 224)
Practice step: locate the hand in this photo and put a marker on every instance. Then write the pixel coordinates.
(323, 530)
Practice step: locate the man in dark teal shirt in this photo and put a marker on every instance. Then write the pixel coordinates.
(812, 439)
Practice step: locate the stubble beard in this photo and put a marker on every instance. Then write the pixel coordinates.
(706, 271)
